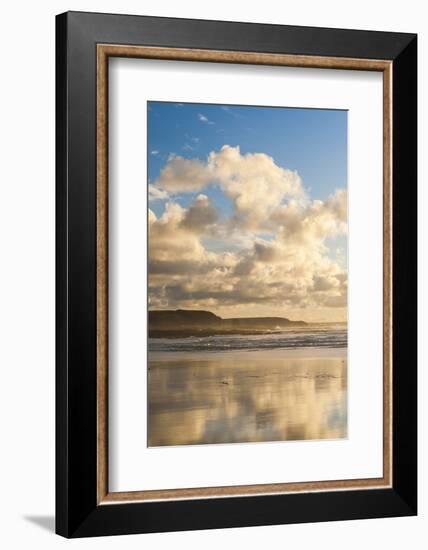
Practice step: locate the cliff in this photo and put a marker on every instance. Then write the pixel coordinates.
(181, 323)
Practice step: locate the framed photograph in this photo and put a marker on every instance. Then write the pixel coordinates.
(236, 274)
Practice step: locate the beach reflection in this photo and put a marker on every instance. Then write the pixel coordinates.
(245, 397)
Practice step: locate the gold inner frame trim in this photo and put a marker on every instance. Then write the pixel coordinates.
(104, 51)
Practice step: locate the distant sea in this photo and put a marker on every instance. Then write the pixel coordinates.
(310, 336)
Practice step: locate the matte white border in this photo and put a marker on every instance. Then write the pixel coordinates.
(133, 466)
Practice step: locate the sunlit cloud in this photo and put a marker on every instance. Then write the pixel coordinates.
(271, 254)
(156, 194)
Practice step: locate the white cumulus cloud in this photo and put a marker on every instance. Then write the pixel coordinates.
(271, 254)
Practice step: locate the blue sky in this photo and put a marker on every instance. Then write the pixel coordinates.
(311, 141)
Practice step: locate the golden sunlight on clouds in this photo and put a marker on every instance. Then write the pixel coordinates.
(269, 257)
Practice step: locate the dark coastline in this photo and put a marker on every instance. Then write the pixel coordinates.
(186, 323)
(195, 332)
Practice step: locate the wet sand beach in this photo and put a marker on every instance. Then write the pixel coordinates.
(201, 397)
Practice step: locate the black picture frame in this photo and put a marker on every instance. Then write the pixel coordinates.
(77, 511)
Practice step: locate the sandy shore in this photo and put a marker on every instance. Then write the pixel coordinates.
(265, 354)
(247, 396)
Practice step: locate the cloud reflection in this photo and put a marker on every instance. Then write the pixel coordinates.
(235, 398)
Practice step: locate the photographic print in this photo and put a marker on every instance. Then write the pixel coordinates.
(247, 274)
